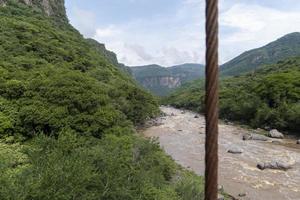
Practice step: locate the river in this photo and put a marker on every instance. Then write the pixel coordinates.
(182, 136)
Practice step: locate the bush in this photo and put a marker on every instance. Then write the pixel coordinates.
(79, 167)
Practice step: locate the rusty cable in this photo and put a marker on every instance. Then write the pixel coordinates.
(211, 101)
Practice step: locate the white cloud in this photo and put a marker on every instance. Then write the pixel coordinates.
(84, 20)
(169, 39)
(164, 40)
(253, 26)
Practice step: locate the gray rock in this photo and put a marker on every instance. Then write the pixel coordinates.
(298, 141)
(275, 134)
(274, 165)
(255, 137)
(180, 130)
(196, 116)
(242, 194)
(235, 151)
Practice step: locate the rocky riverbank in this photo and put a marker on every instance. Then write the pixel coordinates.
(267, 168)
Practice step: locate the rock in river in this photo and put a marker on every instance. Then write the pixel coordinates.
(235, 151)
(274, 165)
(275, 134)
(254, 136)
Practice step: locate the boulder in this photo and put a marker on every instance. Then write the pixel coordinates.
(235, 151)
(298, 141)
(275, 134)
(255, 137)
(196, 116)
(274, 165)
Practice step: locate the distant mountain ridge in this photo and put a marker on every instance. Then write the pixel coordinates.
(284, 47)
(162, 80)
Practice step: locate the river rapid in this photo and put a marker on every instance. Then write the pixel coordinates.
(182, 136)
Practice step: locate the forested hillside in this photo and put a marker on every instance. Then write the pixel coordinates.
(283, 48)
(68, 116)
(270, 97)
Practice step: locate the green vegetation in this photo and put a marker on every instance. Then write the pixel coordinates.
(163, 80)
(67, 119)
(51, 78)
(283, 48)
(268, 97)
(78, 167)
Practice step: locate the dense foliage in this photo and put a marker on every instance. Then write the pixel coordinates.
(51, 78)
(67, 117)
(269, 97)
(78, 167)
(283, 48)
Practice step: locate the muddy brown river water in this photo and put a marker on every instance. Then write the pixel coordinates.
(182, 136)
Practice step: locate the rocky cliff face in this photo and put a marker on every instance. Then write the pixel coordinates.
(162, 80)
(52, 8)
(166, 81)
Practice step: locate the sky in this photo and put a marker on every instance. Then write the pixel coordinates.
(171, 32)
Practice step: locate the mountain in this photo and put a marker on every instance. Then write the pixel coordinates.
(67, 116)
(269, 97)
(162, 80)
(52, 8)
(285, 47)
(108, 55)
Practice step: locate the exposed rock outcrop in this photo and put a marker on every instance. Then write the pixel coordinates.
(53, 8)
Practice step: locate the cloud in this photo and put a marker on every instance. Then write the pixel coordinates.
(85, 20)
(164, 40)
(252, 26)
(169, 38)
(140, 51)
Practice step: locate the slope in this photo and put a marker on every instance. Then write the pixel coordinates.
(269, 97)
(285, 47)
